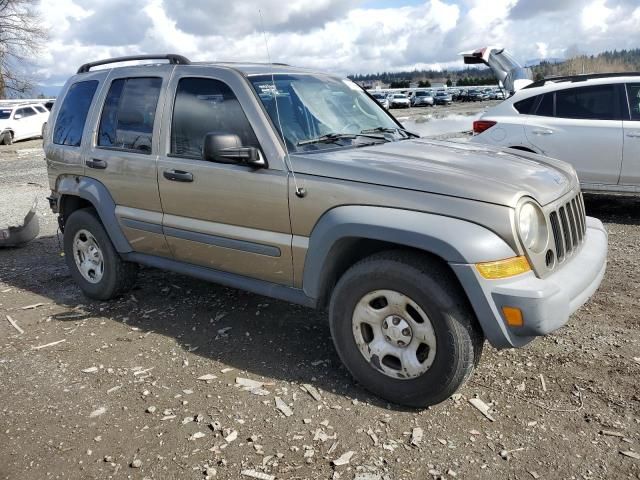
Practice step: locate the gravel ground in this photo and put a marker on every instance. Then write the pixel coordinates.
(154, 385)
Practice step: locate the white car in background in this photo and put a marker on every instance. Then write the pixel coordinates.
(589, 121)
(19, 121)
(398, 100)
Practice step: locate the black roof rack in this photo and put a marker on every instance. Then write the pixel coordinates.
(581, 78)
(172, 57)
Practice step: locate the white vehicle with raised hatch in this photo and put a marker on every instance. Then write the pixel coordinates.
(590, 121)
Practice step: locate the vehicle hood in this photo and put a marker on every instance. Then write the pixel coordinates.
(477, 172)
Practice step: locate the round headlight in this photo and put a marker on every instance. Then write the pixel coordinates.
(532, 227)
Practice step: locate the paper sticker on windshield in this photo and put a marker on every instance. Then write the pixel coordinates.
(351, 85)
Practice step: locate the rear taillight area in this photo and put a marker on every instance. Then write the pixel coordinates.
(480, 126)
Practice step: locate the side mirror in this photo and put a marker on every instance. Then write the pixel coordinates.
(227, 148)
(17, 116)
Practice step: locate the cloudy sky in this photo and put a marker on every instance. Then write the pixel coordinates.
(341, 36)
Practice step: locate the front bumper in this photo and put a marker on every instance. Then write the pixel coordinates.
(546, 304)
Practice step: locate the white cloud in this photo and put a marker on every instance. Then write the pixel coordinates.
(595, 16)
(341, 36)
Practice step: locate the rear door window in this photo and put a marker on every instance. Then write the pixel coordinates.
(129, 113)
(593, 103)
(73, 113)
(633, 94)
(26, 112)
(206, 105)
(40, 109)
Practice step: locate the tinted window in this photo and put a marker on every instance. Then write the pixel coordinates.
(5, 113)
(73, 113)
(545, 108)
(633, 92)
(596, 103)
(26, 112)
(205, 105)
(40, 109)
(525, 106)
(129, 113)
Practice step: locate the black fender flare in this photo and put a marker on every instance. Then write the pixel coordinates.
(97, 194)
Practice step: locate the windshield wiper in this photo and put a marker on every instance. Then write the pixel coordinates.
(392, 130)
(327, 138)
(333, 137)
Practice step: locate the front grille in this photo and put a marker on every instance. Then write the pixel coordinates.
(568, 226)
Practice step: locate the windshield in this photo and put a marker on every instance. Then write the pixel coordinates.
(313, 105)
(5, 114)
(399, 96)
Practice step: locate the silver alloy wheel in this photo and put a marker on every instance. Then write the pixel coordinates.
(88, 256)
(394, 334)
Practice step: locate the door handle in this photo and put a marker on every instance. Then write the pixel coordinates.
(178, 175)
(97, 164)
(633, 134)
(542, 131)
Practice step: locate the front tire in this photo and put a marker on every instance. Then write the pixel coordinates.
(404, 329)
(94, 263)
(6, 138)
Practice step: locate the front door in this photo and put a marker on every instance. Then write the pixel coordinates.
(581, 126)
(225, 216)
(630, 175)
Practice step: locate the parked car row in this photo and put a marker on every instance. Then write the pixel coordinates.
(430, 98)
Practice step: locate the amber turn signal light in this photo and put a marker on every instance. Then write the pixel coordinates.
(513, 316)
(503, 268)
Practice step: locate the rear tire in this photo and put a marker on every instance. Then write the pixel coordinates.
(93, 261)
(415, 305)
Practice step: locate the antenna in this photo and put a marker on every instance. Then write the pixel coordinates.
(300, 191)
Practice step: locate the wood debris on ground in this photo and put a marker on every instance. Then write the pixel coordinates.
(343, 459)
(283, 407)
(15, 325)
(39, 347)
(481, 407)
(257, 475)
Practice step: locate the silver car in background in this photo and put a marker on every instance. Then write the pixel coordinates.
(381, 98)
(421, 98)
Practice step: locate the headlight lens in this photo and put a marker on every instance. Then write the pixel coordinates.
(532, 227)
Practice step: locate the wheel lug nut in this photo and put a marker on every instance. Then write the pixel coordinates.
(396, 321)
(406, 332)
(401, 343)
(387, 338)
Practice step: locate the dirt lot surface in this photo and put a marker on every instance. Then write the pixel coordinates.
(153, 385)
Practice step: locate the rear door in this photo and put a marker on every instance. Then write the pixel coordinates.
(124, 152)
(582, 126)
(630, 174)
(228, 217)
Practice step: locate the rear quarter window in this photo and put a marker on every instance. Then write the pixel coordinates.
(525, 106)
(72, 117)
